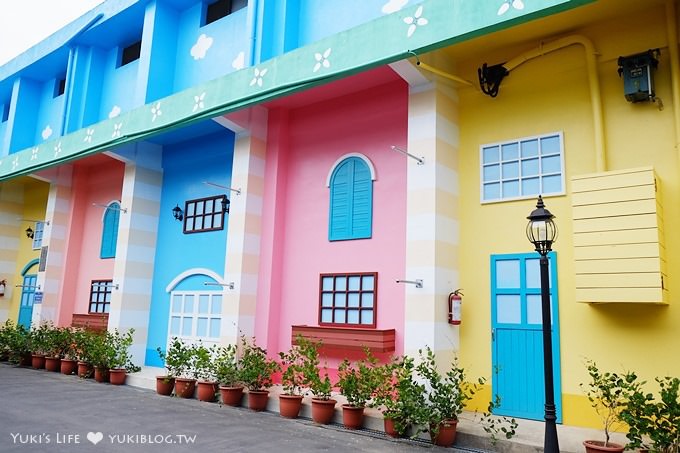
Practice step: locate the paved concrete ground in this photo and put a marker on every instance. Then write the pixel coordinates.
(43, 411)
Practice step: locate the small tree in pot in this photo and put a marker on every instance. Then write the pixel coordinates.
(256, 373)
(317, 380)
(179, 360)
(118, 357)
(293, 379)
(228, 374)
(204, 370)
(358, 382)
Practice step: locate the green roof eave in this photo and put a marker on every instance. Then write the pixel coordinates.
(430, 25)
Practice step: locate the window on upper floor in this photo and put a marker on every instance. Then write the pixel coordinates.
(59, 86)
(100, 296)
(38, 235)
(351, 199)
(205, 214)
(5, 112)
(110, 230)
(221, 8)
(348, 299)
(130, 53)
(522, 168)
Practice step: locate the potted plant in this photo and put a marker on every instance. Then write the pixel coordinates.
(69, 358)
(256, 373)
(179, 360)
(17, 344)
(82, 339)
(39, 343)
(317, 380)
(400, 398)
(293, 378)
(228, 374)
(608, 394)
(119, 359)
(654, 424)
(358, 383)
(446, 394)
(57, 343)
(204, 371)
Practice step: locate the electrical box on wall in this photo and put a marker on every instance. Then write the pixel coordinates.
(637, 72)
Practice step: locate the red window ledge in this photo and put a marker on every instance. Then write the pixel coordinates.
(352, 338)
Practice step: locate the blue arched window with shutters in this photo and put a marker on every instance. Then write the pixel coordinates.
(351, 198)
(110, 230)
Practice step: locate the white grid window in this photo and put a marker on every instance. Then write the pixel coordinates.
(195, 316)
(38, 235)
(522, 168)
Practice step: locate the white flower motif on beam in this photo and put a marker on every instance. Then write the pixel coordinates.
(116, 130)
(240, 61)
(200, 49)
(198, 102)
(88, 136)
(46, 133)
(34, 153)
(414, 22)
(156, 111)
(517, 4)
(257, 78)
(57, 150)
(15, 163)
(322, 60)
(393, 6)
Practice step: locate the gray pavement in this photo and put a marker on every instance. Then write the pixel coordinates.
(43, 411)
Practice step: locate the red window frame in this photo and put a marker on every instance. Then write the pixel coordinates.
(100, 296)
(347, 308)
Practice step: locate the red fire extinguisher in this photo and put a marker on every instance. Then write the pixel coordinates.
(455, 301)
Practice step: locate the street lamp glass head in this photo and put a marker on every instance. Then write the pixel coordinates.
(541, 230)
(177, 213)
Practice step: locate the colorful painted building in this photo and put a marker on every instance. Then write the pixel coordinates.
(206, 169)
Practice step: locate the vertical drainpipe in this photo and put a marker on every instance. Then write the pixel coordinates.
(254, 6)
(672, 30)
(70, 77)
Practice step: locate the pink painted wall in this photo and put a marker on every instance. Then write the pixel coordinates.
(95, 180)
(295, 247)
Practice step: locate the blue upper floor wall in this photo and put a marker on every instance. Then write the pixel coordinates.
(127, 53)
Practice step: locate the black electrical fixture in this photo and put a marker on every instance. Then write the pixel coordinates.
(177, 213)
(490, 78)
(637, 73)
(29, 233)
(225, 204)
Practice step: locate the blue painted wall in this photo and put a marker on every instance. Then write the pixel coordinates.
(22, 114)
(185, 166)
(118, 84)
(50, 113)
(160, 21)
(229, 37)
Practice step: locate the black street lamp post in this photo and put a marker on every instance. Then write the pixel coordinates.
(542, 232)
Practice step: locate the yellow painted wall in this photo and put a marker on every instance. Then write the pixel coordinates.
(550, 94)
(35, 202)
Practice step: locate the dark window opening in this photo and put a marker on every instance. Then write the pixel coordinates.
(131, 53)
(222, 8)
(59, 87)
(5, 112)
(100, 296)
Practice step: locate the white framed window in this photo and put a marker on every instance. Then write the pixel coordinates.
(38, 235)
(522, 168)
(195, 315)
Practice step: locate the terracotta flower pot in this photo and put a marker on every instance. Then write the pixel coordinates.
(446, 435)
(25, 360)
(38, 361)
(165, 385)
(101, 374)
(117, 376)
(84, 370)
(231, 396)
(323, 410)
(289, 405)
(53, 364)
(68, 366)
(595, 446)
(352, 416)
(390, 428)
(206, 391)
(184, 388)
(257, 400)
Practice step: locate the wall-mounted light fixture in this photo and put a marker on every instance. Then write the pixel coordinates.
(225, 204)
(208, 183)
(177, 213)
(419, 160)
(29, 233)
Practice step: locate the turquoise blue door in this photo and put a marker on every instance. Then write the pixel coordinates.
(517, 342)
(27, 297)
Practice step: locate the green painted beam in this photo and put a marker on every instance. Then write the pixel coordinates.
(428, 26)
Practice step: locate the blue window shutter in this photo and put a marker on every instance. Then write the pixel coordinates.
(110, 231)
(351, 201)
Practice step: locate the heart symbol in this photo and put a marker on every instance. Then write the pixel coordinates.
(95, 438)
